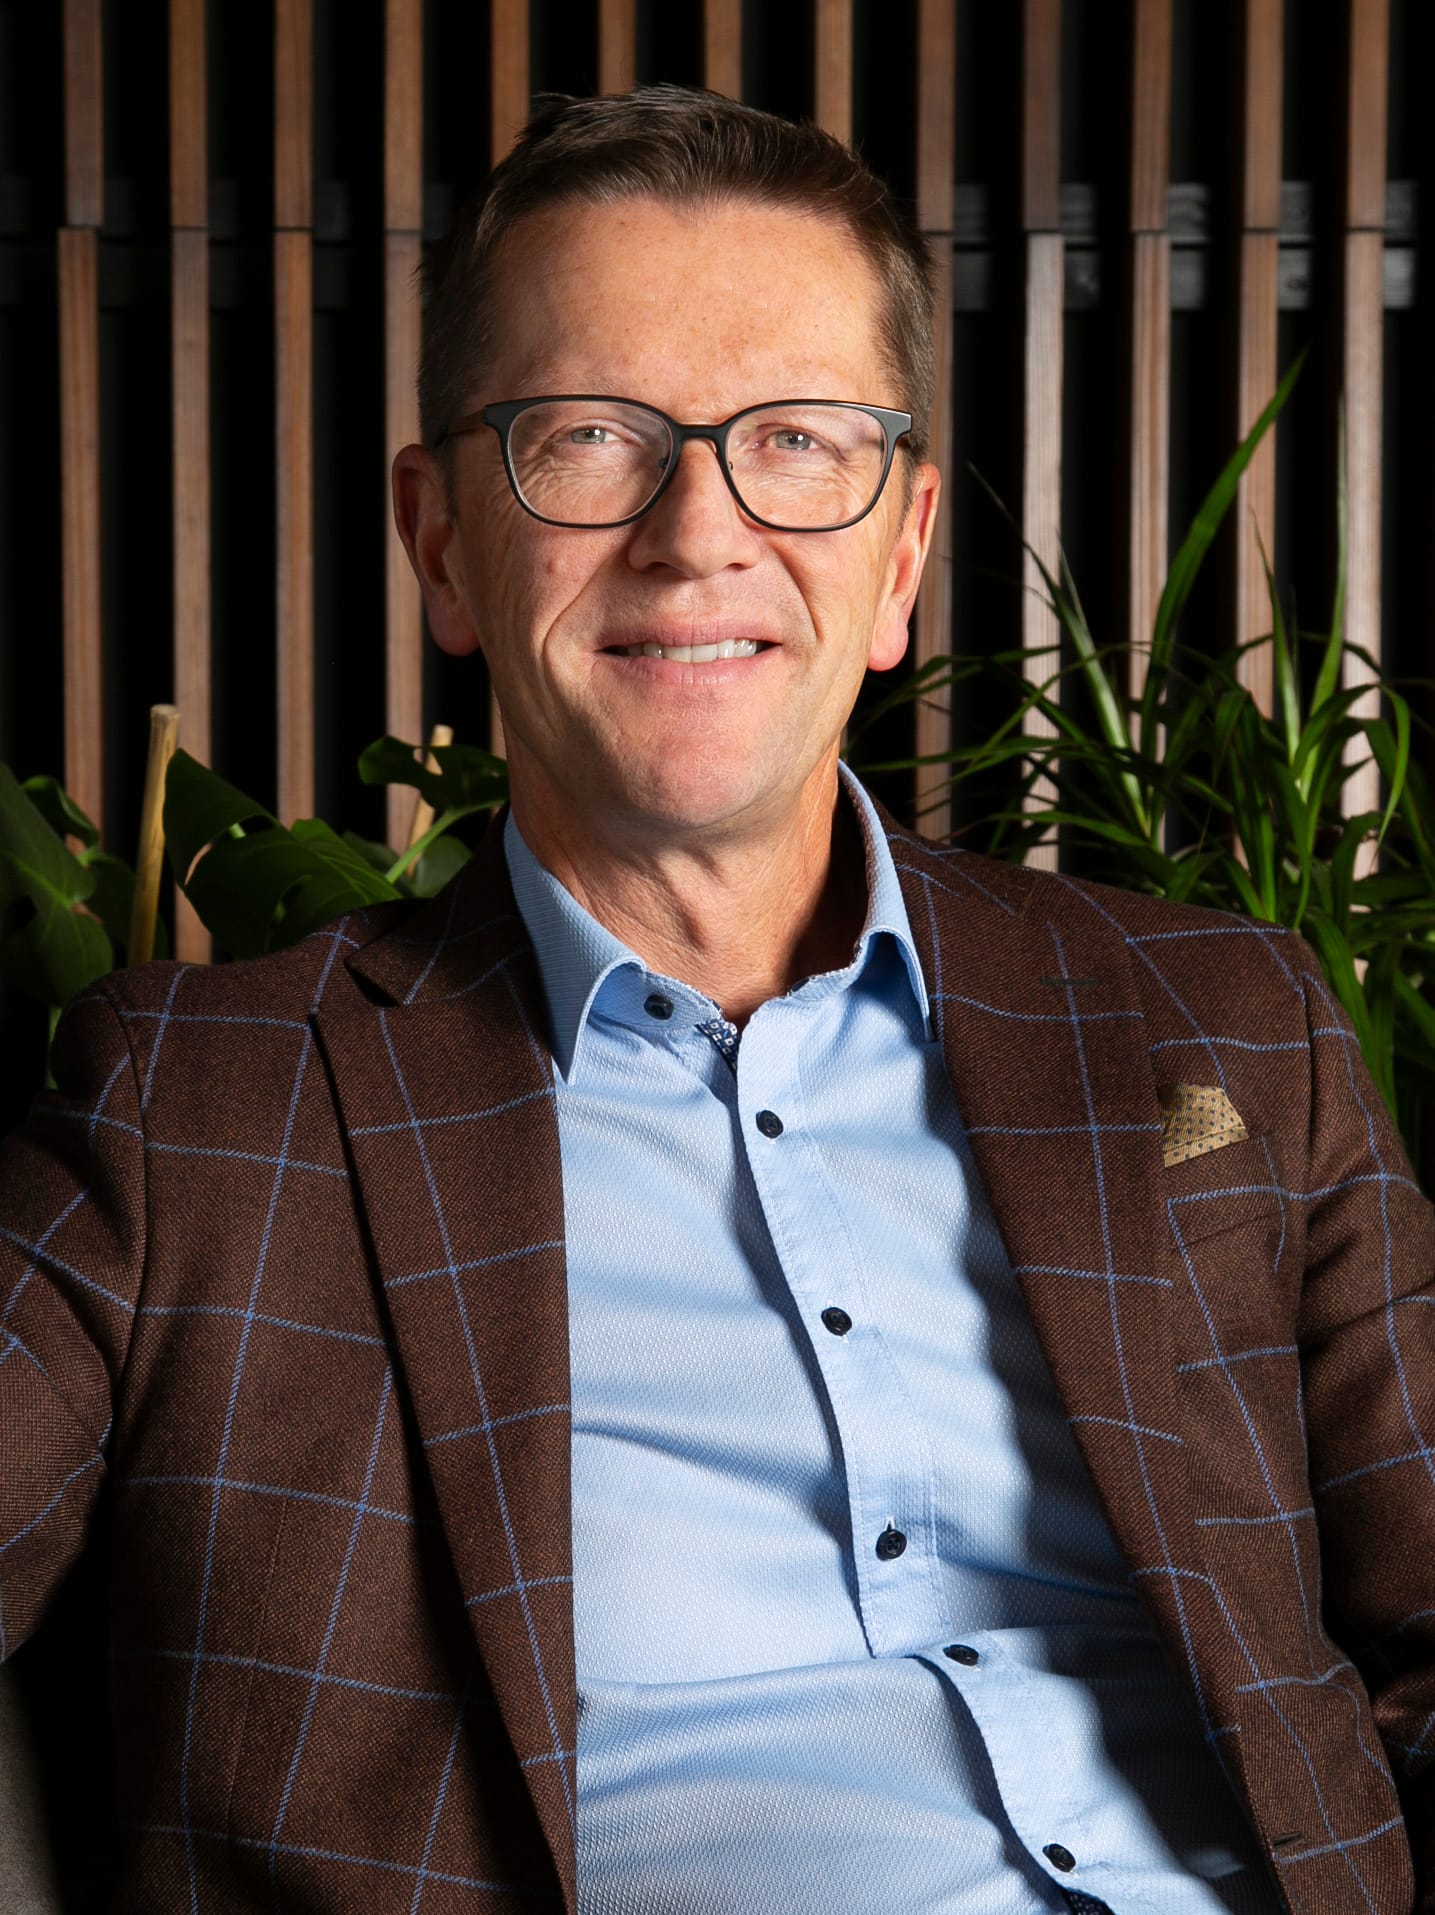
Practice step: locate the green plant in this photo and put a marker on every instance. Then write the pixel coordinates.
(64, 913)
(255, 883)
(259, 885)
(1189, 791)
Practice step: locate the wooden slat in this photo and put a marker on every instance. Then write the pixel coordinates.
(509, 96)
(403, 624)
(832, 49)
(936, 173)
(84, 117)
(1150, 114)
(1257, 375)
(1364, 265)
(403, 220)
(936, 116)
(188, 134)
(1363, 336)
(508, 74)
(1257, 369)
(189, 414)
(294, 503)
(403, 115)
(293, 113)
(1041, 485)
(190, 442)
(722, 47)
(294, 402)
(1044, 301)
(1041, 116)
(617, 45)
(1149, 454)
(80, 518)
(1367, 110)
(1148, 449)
(1262, 33)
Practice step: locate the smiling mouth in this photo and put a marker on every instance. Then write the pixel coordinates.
(694, 654)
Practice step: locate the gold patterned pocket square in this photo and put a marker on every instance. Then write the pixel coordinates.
(1195, 1119)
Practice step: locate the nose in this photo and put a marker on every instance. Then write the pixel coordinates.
(697, 527)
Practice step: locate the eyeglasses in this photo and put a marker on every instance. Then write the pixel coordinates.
(793, 465)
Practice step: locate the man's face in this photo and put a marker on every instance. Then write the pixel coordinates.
(699, 313)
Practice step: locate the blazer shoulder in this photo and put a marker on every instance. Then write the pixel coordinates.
(290, 983)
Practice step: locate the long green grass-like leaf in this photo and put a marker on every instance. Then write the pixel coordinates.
(1328, 676)
(1186, 565)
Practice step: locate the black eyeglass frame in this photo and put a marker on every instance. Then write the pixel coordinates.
(502, 413)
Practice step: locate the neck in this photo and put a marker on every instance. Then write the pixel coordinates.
(741, 918)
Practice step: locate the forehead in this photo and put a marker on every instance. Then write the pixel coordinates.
(698, 309)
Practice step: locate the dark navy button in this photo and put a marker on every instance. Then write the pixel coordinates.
(837, 1321)
(890, 1543)
(658, 1006)
(769, 1123)
(963, 1653)
(1059, 1857)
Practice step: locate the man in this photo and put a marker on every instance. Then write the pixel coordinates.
(735, 1360)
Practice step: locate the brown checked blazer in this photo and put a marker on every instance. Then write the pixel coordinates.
(282, 1281)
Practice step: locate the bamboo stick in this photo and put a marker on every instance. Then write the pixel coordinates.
(440, 736)
(149, 860)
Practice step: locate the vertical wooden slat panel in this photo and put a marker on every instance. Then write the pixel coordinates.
(1044, 297)
(1256, 290)
(1149, 268)
(722, 47)
(510, 93)
(190, 447)
(508, 74)
(78, 297)
(1041, 116)
(403, 116)
(294, 400)
(188, 132)
(1363, 350)
(84, 119)
(832, 48)
(80, 518)
(617, 48)
(294, 503)
(189, 414)
(403, 225)
(936, 174)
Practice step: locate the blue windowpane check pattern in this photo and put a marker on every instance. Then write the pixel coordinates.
(785, 1347)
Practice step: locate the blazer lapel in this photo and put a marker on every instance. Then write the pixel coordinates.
(1045, 1044)
(445, 1091)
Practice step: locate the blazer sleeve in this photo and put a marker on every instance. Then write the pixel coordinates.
(1367, 1336)
(72, 1247)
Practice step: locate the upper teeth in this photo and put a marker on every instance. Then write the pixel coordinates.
(696, 654)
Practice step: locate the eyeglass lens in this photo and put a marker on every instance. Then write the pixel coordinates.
(803, 467)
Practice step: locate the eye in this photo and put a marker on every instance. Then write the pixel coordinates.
(793, 439)
(590, 436)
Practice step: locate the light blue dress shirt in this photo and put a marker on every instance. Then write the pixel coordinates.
(816, 1448)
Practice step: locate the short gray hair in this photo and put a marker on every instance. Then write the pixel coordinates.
(690, 148)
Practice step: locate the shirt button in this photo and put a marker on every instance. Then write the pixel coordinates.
(1059, 1857)
(890, 1544)
(963, 1653)
(769, 1123)
(837, 1321)
(658, 1006)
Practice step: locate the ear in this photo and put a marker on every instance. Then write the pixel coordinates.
(904, 571)
(426, 525)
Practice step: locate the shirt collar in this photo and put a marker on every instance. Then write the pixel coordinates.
(576, 954)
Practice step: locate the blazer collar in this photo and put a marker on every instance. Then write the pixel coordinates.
(442, 1078)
